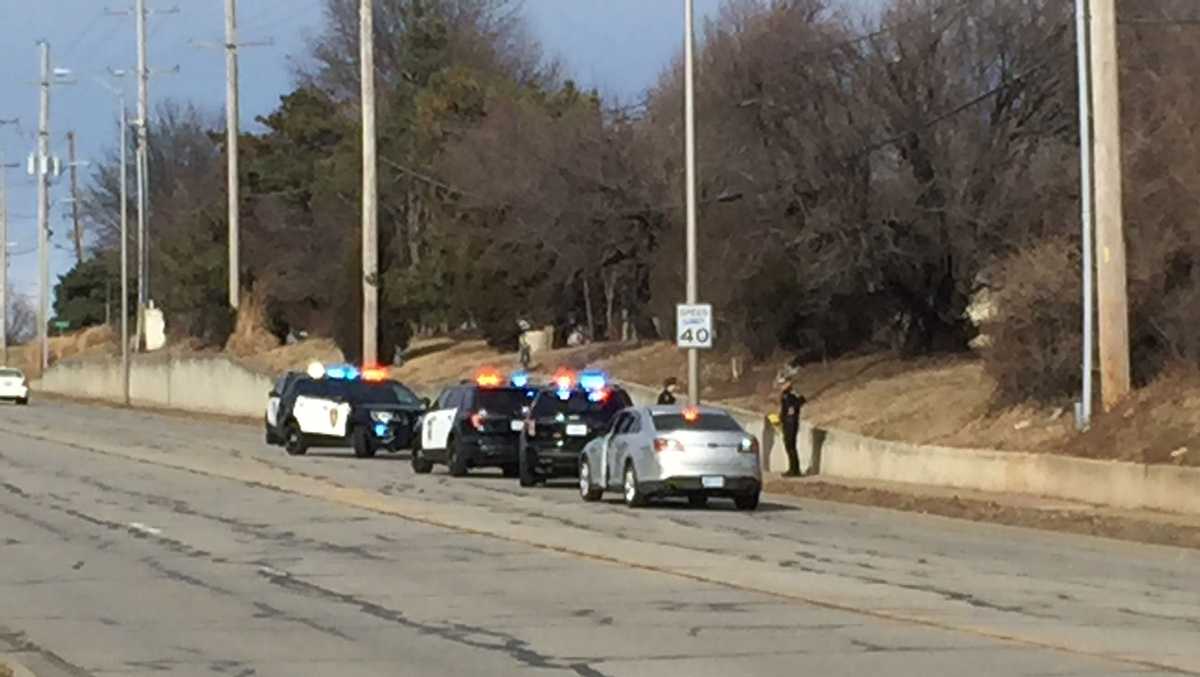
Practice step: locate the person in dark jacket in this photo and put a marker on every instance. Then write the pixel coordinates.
(789, 418)
(667, 396)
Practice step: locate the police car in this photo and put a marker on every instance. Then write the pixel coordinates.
(274, 398)
(563, 418)
(475, 424)
(342, 406)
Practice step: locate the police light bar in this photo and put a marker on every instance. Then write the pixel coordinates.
(520, 379)
(488, 379)
(374, 374)
(593, 380)
(316, 370)
(564, 379)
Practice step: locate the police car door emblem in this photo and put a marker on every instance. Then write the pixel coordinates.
(333, 417)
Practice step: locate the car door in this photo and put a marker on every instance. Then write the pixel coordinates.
(613, 446)
(437, 423)
(273, 401)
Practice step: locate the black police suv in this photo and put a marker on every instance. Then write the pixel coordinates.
(475, 424)
(558, 425)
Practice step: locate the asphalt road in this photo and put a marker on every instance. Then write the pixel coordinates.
(138, 544)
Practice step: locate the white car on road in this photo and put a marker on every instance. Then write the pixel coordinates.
(13, 386)
(652, 452)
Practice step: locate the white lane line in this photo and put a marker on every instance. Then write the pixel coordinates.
(273, 572)
(138, 526)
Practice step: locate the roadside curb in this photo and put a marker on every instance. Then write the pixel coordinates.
(9, 667)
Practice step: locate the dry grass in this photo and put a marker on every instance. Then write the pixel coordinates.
(250, 335)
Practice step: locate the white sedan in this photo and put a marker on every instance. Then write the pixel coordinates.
(13, 386)
(652, 452)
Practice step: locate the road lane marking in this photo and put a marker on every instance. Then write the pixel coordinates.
(145, 529)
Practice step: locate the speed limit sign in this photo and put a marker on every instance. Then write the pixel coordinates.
(693, 326)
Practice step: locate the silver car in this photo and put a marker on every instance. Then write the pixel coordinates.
(651, 452)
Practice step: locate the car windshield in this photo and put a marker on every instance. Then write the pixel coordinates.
(578, 403)
(385, 392)
(11, 373)
(501, 401)
(704, 423)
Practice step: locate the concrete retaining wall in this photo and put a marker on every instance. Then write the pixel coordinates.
(208, 384)
(836, 453)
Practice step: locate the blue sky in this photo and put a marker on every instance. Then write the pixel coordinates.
(619, 46)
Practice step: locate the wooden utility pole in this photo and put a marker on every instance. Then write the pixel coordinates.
(71, 164)
(1111, 278)
(370, 189)
(231, 145)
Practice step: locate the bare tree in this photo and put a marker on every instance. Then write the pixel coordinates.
(22, 319)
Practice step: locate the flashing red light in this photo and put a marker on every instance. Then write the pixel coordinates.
(489, 379)
(374, 374)
(564, 379)
(691, 414)
(477, 419)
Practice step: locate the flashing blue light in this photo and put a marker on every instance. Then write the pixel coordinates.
(342, 372)
(593, 380)
(520, 379)
(563, 394)
(381, 430)
(336, 373)
(597, 396)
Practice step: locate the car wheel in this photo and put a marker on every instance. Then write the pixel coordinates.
(525, 466)
(293, 440)
(634, 497)
(364, 446)
(586, 491)
(748, 501)
(23, 401)
(697, 500)
(420, 465)
(456, 461)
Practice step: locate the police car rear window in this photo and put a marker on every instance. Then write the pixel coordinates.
(504, 401)
(713, 423)
(10, 373)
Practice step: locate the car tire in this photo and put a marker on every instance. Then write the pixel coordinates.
(634, 498)
(697, 500)
(588, 492)
(293, 440)
(420, 465)
(22, 401)
(363, 446)
(455, 459)
(747, 501)
(525, 466)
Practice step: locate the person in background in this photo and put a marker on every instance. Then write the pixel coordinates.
(667, 396)
(789, 418)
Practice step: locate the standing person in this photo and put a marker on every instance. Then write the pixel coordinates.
(789, 417)
(667, 396)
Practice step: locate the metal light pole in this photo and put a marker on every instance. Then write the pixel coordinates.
(689, 105)
(1083, 417)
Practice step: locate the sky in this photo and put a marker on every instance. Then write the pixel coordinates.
(618, 46)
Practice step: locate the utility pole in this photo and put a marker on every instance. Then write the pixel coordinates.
(4, 167)
(141, 12)
(1083, 416)
(72, 165)
(1110, 237)
(370, 197)
(124, 247)
(143, 79)
(231, 145)
(232, 133)
(689, 83)
(41, 168)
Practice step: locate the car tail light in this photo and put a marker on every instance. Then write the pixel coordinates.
(662, 444)
(749, 445)
(477, 419)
